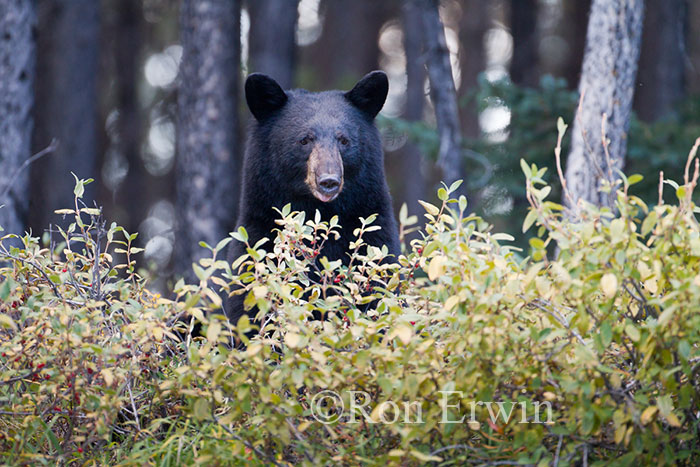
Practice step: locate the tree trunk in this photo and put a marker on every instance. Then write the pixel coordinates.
(662, 61)
(693, 52)
(207, 122)
(607, 86)
(347, 48)
(130, 120)
(472, 27)
(411, 165)
(272, 46)
(442, 92)
(66, 104)
(523, 27)
(17, 61)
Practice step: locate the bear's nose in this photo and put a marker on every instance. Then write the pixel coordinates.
(328, 183)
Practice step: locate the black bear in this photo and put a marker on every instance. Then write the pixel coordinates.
(316, 151)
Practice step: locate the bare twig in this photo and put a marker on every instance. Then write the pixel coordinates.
(47, 150)
(562, 179)
(133, 405)
(691, 156)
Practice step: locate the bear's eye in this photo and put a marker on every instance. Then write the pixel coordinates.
(343, 140)
(305, 140)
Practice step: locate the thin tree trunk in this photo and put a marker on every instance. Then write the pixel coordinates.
(472, 27)
(662, 61)
(347, 48)
(442, 92)
(272, 47)
(131, 192)
(207, 122)
(523, 27)
(411, 165)
(17, 61)
(607, 86)
(66, 104)
(693, 52)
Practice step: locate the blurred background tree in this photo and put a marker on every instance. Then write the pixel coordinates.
(107, 88)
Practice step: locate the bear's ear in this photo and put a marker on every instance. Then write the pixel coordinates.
(263, 95)
(370, 93)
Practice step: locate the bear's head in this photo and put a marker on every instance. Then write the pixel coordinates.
(320, 142)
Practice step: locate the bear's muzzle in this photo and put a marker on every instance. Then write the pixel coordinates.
(324, 173)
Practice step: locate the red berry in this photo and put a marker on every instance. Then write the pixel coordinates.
(89, 370)
(413, 323)
(47, 377)
(419, 251)
(336, 280)
(80, 450)
(4, 354)
(64, 270)
(39, 366)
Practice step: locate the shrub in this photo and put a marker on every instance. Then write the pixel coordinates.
(589, 356)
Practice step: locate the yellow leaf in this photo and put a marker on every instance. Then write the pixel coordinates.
(436, 267)
(253, 350)
(673, 420)
(651, 286)
(260, 292)
(7, 322)
(620, 433)
(403, 332)
(107, 376)
(648, 414)
(213, 331)
(608, 284)
(451, 302)
(425, 457)
(292, 339)
(158, 333)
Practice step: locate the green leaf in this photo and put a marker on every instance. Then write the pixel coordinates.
(462, 203)
(529, 220)
(633, 332)
(241, 234)
(536, 243)
(79, 189)
(561, 126)
(605, 333)
(636, 178)
(433, 210)
(526, 169)
(649, 222)
(201, 409)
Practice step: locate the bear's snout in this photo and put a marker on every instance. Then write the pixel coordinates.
(325, 173)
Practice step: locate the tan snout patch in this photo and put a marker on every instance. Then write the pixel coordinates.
(324, 161)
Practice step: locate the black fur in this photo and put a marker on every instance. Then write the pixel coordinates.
(275, 167)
